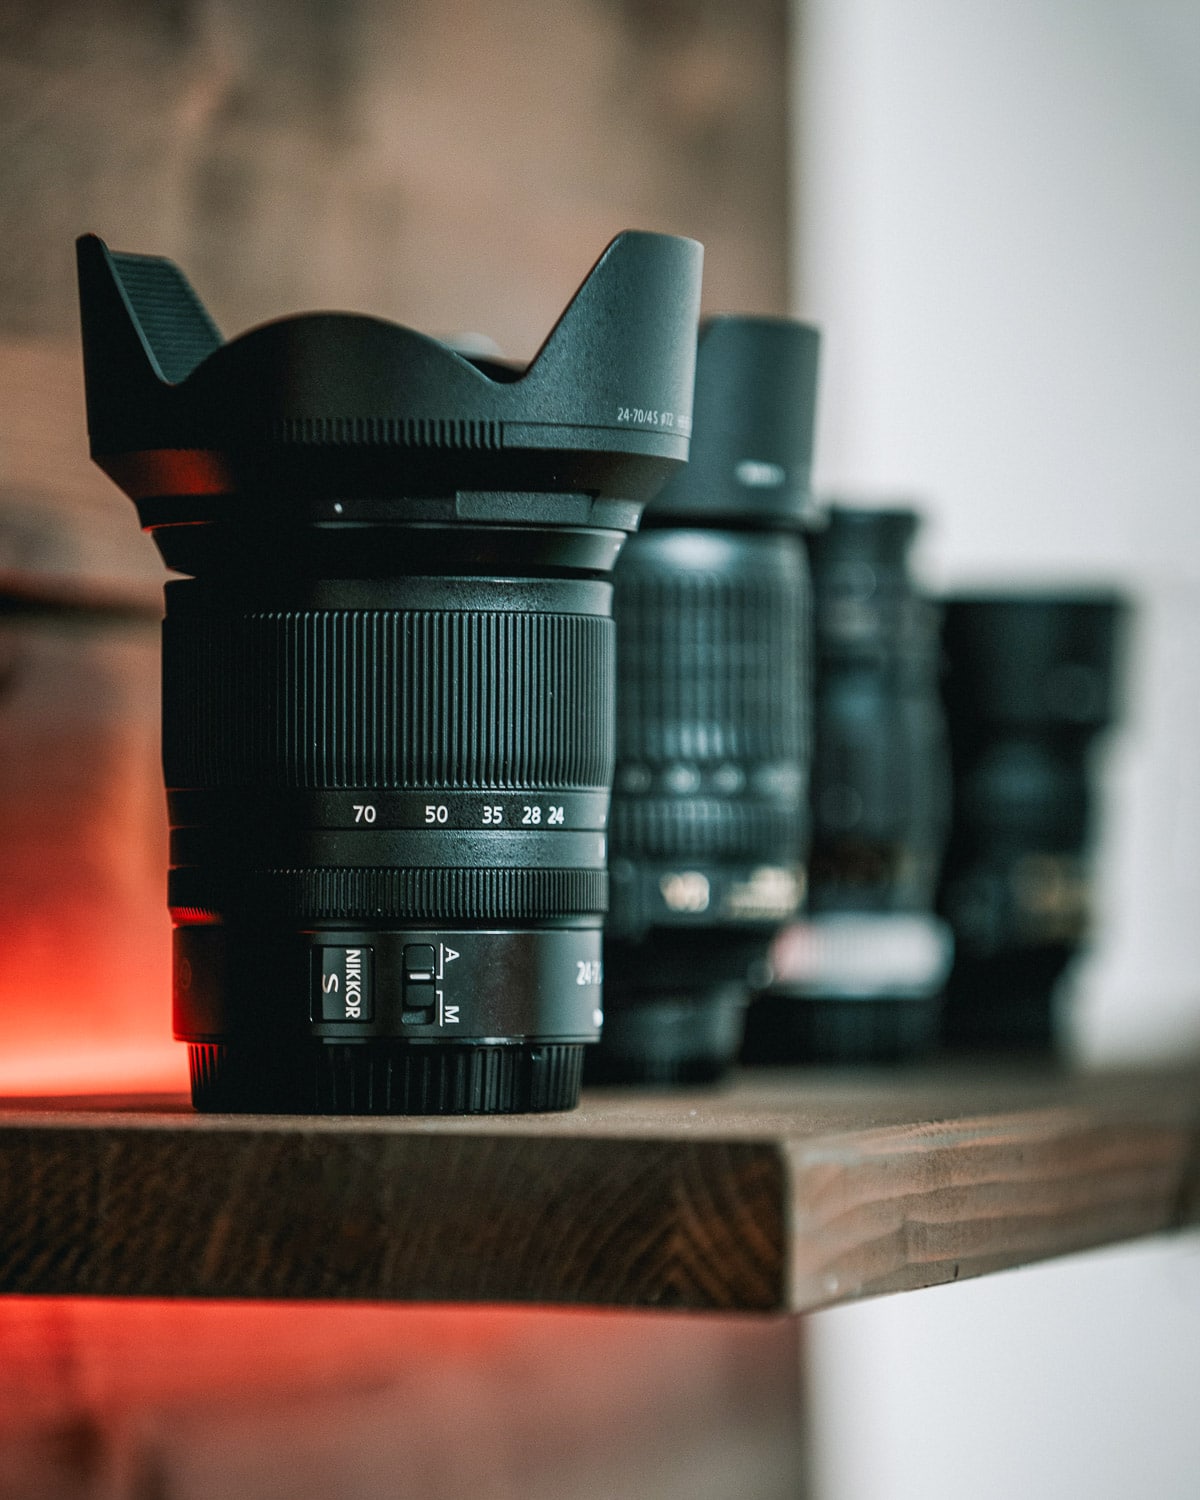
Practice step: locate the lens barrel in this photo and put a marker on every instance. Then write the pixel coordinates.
(1031, 683)
(712, 610)
(388, 733)
(856, 979)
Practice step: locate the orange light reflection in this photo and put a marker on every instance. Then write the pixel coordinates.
(159, 1068)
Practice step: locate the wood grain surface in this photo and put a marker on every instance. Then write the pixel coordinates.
(787, 1192)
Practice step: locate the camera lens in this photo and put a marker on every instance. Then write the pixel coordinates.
(388, 731)
(1031, 682)
(712, 610)
(857, 978)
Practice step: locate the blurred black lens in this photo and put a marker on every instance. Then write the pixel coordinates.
(387, 687)
(1031, 681)
(858, 976)
(713, 616)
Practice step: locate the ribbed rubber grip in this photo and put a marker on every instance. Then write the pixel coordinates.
(711, 668)
(400, 432)
(702, 828)
(391, 894)
(388, 698)
(175, 325)
(386, 1078)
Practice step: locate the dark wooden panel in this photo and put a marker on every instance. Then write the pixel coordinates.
(452, 167)
(119, 1400)
(455, 168)
(786, 1193)
(85, 955)
(66, 533)
(458, 170)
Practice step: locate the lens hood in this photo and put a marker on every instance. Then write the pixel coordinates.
(1039, 659)
(752, 453)
(298, 415)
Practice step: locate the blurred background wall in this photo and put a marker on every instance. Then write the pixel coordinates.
(455, 167)
(998, 226)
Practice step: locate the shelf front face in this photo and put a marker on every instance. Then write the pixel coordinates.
(786, 1192)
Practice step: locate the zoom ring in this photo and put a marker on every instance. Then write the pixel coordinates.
(375, 895)
(388, 698)
(711, 668)
(698, 828)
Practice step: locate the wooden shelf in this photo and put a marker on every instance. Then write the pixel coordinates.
(785, 1192)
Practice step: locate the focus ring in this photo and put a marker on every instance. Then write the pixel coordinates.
(387, 1078)
(388, 698)
(374, 895)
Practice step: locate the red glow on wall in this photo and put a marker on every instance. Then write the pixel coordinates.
(368, 1402)
(85, 938)
(156, 1068)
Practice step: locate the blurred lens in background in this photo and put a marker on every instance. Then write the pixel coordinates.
(1031, 681)
(858, 976)
(713, 699)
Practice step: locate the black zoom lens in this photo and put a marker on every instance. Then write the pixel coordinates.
(858, 977)
(387, 686)
(1032, 681)
(712, 610)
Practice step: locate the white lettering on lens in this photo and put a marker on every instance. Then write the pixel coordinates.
(353, 977)
(329, 984)
(758, 475)
(649, 416)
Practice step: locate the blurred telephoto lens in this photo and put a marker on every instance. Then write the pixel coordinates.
(388, 733)
(1031, 682)
(857, 978)
(713, 613)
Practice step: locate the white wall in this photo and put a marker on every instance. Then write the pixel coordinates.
(1077, 1380)
(998, 211)
(998, 227)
